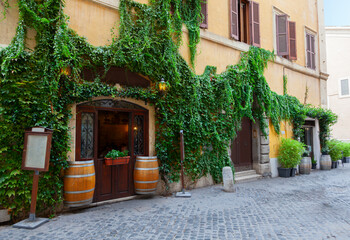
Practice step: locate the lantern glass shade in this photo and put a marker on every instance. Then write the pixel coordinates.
(162, 85)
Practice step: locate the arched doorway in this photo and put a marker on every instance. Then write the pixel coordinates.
(107, 124)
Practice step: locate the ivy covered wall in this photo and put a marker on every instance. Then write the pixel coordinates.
(208, 107)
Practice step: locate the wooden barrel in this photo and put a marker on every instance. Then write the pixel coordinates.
(146, 175)
(305, 165)
(79, 183)
(325, 162)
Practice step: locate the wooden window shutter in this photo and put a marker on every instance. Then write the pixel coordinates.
(234, 9)
(254, 24)
(308, 53)
(292, 41)
(204, 13)
(282, 35)
(312, 51)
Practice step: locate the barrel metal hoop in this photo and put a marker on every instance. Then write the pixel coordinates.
(80, 162)
(146, 169)
(145, 158)
(138, 160)
(76, 166)
(79, 176)
(146, 190)
(77, 192)
(147, 181)
(83, 201)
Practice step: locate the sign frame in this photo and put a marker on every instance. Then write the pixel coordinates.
(37, 131)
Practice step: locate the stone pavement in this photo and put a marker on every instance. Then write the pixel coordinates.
(315, 206)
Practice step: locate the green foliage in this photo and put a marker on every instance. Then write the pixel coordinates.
(115, 154)
(208, 107)
(345, 146)
(313, 160)
(289, 152)
(326, 119)
(335, 149)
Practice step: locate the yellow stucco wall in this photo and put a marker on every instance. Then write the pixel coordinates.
(95, 21)
(303, 12)
(9, 24)
(286, 131)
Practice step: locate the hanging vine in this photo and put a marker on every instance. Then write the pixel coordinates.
(208, 107)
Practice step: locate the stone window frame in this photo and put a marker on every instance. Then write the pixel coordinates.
(109, 3)
(340, 89)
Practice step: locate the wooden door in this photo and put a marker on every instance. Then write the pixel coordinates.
(111, 181)
(308, 140)
(241, 148)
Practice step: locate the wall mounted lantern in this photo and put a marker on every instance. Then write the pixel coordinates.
(66, 70)
(162, 86)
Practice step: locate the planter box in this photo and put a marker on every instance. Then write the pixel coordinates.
(314, 165)
(117, 161)
(4, 215)
(284, 172)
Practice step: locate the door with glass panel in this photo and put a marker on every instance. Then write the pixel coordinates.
(101, 129)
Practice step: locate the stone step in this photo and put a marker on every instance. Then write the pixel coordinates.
(248, 178)
(245, 173)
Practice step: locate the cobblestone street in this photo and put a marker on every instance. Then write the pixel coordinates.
(315, 206)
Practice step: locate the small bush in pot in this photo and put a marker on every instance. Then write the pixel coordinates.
(346, 152)
(335, 151)
(314, 163)
(289, 155)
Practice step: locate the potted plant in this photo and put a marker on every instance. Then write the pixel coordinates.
(335, 151)
(289, 156)
(115, 157)
(313, 163)
(346, 152)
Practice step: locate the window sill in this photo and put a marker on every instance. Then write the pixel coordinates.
(108, 3)
(344, 96)
(243, 47)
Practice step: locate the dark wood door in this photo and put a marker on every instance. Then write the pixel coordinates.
(111, 181)
(241, 148)
(308, 140)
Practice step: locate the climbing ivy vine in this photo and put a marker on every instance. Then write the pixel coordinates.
(208, 107)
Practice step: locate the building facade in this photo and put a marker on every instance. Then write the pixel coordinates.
(294, 30)
(338, 39)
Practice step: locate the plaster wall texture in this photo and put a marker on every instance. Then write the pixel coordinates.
(338, 48)
(304, 13)
(9, 24)
(286, 131)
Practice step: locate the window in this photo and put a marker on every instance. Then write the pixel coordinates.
(310, 51)
(204, 13)
(245, 22)
(344, 87)
(286, 37)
